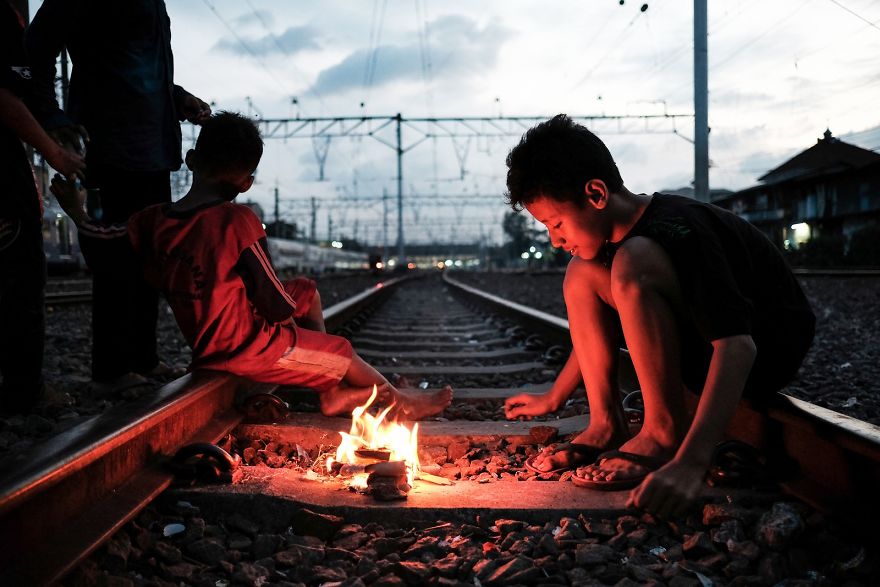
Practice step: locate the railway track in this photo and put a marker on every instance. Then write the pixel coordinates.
(432, 335)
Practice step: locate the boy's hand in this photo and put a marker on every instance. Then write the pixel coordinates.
(195, 110)
(527, 405)
(71, 198)
(669, 491)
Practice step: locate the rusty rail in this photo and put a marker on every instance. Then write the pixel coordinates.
(828, 459)
(62, 498)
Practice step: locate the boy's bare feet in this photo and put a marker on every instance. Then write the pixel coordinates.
(602, 440)
(341, 401)
(415, 404)
(620, 469)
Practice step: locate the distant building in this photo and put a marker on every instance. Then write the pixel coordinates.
(830, 189)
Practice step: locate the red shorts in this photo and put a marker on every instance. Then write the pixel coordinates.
(317, 360)
(301, 290)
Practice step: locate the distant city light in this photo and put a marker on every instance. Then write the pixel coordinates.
(532, 249)
(380, 265)
(538, 255)
(440, 265)
(336, 244)
(525, 255)
(410, 265)
(392, 262)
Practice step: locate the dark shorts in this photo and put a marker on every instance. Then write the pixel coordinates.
(780, 354)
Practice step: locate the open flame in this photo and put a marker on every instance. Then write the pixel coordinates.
(375, 433)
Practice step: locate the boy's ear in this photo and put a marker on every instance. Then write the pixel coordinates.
(597, 193)
(246, 184)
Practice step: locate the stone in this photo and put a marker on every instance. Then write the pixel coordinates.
(425, 549)
(779, 526)
(697, 545)
(716, 513)
(626, 524)
(503, 574)
(168, 553)
(182, 571)
(485, 567)
(265, 545)
(542, 434)
(433, 454)
(593, 554)
(310, 523)
(746, 549)
(772, 567)
(637, 536)
(207, 551)
(447, 566)
(457, 450)
(238, 522)
(296, 555)
(548, 545)
(412, 572)
(728, 530)
(389, 580)
(238, 542)
(322, 574)
(506, 526)
(117, 551)
(250, 574)
(340, 554)
(599, 528)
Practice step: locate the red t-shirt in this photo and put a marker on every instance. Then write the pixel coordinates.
(191, 257)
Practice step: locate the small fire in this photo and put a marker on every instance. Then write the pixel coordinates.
(394, 440)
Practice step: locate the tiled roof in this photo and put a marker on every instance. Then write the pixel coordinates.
(828, 156)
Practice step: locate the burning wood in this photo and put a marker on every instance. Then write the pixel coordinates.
(376, 455)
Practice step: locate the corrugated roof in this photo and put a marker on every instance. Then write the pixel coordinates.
(828, 156)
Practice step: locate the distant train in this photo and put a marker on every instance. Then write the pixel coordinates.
(63, 255)
(300, 257)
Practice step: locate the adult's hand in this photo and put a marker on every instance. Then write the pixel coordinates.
(527, 405)
(73, 137)
(195, 110)
(71, 164)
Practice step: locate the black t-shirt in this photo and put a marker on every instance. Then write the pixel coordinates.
(18, 196)
(733, 279)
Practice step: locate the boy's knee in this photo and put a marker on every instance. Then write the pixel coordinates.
(641, 267)
(584, 278)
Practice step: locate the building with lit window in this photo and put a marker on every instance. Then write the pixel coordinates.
(831, 189)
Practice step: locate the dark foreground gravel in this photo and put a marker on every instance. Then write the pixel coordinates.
(842, 370)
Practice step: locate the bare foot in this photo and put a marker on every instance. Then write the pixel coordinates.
(563, 457)
(340, 401)
(415, 404)
(619, 468)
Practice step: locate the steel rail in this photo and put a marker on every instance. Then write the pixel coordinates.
(64, 497)
(827, 459)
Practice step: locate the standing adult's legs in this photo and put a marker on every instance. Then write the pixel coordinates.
(124, 306)
(22, 317)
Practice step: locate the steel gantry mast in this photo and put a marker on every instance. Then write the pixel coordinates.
(389, 130)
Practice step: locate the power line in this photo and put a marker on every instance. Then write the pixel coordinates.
(247, 47)
(859, 16)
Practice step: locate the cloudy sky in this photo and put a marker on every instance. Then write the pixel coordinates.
(780, 72)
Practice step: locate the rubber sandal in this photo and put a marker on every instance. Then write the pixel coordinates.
(581, 454)
(649, 464)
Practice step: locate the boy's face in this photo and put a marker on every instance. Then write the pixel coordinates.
(577, 229)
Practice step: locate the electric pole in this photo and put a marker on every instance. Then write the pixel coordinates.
(314, 219)
(401, 248)
(277, 215)
(701, 102)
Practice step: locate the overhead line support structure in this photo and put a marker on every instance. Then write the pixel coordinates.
(443, 127)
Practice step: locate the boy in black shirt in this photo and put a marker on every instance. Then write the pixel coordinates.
(702, 299)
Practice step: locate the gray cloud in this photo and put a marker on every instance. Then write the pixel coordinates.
(292, 40)
(458, 46)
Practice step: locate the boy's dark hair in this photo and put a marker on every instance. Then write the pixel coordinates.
(556, 158)
(228, 142)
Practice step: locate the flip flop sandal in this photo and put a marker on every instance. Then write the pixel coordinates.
(581, 454)
(650, 464)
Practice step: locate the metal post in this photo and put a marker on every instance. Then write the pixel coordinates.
(701, 102)
(65, 78)
(385, 225)
(401, 248)
(314, 219)
(277, 216)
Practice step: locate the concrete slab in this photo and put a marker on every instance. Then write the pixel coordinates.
(464, 354)
(314, 430)
(426, 332)
(272, 496)
(428, 370)
(360, 342)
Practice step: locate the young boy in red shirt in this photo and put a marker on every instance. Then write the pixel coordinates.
(210, 259)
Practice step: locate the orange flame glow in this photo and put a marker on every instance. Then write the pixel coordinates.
(374, 433)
